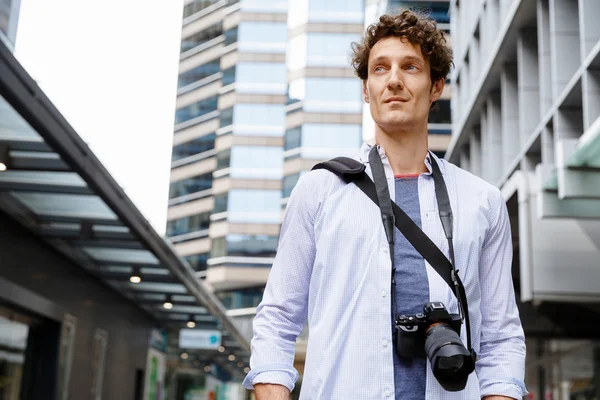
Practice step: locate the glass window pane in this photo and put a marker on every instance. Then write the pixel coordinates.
(13, 340)
(441, 113)
(328, 94)
(220, 203)
(193, 147)
(337, 136)
(197, 6)
(289, 182)
(197, 261)
(241, 298)
(190, 185)
(437, 10)
(262, 78)
(198, 73)
(196, 110)
(192, 223)
(330, 11)
(201, 37)
(330, 49)
(254, 206)
(263, 37)
(292, 138)
(270, 6)
(256, 162)
(259, 114)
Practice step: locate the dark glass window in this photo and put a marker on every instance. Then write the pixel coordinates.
(190, 185)
(201, 37)
(197, 6)
(241, 245)
(193, 223)
(231, 36)
(293, 138)
(198, 261)
(193, 147)
(289, 182)
(220, 203)
(226, 117)
(196, 110)
(441, 113)
(241, 298)
(224, 159)
(229, 76)
(198, 73)
(437, 10)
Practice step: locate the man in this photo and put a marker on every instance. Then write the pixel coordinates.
(333, 266)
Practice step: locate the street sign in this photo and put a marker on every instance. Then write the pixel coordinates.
(199, 339)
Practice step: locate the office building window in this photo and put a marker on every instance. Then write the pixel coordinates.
(270, 6)
(261, 37)
(293, 138)
(197, 6)
(228, 76)
(242, 245)
(261, 72)
(192, 223)
(257, 157)
(198, 73)
(220, 203)
(196, 110)
(441, 113)
(201, 37)
(320, 50)
(341, 136)
(241, 298)
(223, 159)
(197, 261)
(289, 182)
(193, 147)
(328, 94)
(231, 36)
(190, 185)
(259, 114)
(438, 10)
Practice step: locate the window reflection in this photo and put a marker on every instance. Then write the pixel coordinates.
(271, 6)
(256, 114)
(241, 245)
(223, 159)
(13, 341)
(190, 185)
(192, 223)
(292, 138)
(220, 203)
(350, 11)
(241, 298)
(197, 6)
(201, 37)
(263, 37)
(289, 182)
(193, 147)
(334, 136)
(257, 157)
(438, 10)
(198, 73)
(320, 50)
(328, 94)
(197, 261)
(254, 201)
(196, 110)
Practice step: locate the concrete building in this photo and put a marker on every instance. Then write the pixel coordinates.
(440, 126)
(525, 109)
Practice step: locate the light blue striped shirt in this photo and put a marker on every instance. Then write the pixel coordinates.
(333, 268)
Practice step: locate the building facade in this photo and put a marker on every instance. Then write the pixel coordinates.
(9, 19)
(525, 109)
(440, 121)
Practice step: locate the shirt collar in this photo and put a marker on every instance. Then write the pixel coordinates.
(366, 148)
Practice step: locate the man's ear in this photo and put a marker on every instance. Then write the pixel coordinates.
(365, 91)
(437, 89)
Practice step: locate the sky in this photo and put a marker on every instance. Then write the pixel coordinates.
(110, 67)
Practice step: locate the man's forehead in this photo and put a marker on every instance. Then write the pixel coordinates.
(394, 48)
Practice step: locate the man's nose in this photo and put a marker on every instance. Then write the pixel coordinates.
(395, 81)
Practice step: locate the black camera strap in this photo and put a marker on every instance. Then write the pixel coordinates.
(377, 190)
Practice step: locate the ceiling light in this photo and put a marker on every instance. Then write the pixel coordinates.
(207, 368)
(231, 357)
(240, 364)
(168, 304)
(221, 349)
(4, 157)
(184, 356)
(246, 370)
(3, 167)
(191, 323)
(136, 275)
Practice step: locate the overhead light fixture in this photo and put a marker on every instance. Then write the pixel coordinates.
(136, 275)
(240, 364)
(184, 356)
(231, 357)
(207, 368)
(246, 370)
(191, 323)
(221, 349)
(168, 304)
(4, 157)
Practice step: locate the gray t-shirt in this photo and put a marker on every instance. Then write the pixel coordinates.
(412, 290)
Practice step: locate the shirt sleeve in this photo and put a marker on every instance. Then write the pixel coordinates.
(282, 313)
(501, 363)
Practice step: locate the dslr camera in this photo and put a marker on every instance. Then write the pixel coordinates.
(435, 334)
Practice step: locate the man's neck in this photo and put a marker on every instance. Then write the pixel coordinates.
(406, 151)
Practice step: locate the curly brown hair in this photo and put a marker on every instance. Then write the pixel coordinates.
(415, 26)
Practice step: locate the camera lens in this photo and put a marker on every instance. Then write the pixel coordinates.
(450, 361)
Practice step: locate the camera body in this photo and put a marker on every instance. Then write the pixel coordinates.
(412, 330)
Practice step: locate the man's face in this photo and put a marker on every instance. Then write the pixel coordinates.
(398, 87)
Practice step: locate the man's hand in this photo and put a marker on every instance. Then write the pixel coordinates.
(265, 391)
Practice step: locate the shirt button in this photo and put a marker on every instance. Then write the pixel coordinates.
(383, 293)
(384, 342)
(385, 250)
(387, 393)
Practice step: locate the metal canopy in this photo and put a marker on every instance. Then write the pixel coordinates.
(56, 187)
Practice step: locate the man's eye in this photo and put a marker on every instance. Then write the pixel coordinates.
(413, 67)
(378, 69)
